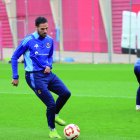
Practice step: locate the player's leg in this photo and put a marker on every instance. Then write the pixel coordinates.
(47, 99)
(59, 88)
(39, 85)
(137, 73)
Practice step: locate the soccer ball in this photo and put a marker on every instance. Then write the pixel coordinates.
(71, 132)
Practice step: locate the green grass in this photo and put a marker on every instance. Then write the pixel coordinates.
(102, 103)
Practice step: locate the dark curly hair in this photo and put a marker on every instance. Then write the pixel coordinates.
(40, 20)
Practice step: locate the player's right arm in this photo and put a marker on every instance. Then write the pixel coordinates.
(21, 49)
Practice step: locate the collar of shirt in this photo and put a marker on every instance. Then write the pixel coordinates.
(36, 35)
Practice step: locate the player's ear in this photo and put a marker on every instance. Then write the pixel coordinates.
(36, 27)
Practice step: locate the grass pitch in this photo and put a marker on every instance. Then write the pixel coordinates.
(102, 103)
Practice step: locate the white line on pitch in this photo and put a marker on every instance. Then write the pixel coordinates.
(78, 95)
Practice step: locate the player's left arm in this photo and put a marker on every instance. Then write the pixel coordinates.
(50, 60)
(50, 57)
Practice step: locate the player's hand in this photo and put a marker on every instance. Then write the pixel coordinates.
(47, 69)
(15, 82)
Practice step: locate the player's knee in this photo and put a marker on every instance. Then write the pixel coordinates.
(67, 94)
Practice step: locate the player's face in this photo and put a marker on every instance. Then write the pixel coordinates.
(42, 29)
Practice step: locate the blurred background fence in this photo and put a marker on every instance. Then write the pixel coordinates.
(84, 31)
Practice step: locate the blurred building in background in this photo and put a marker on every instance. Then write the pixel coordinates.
(86, 30)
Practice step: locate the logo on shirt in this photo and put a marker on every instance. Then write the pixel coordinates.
(36, 53)
(48, 45)
(36, 46)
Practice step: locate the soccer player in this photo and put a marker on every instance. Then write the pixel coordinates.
(137, 73)
(37, 50)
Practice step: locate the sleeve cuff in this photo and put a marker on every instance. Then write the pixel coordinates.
(15, 77)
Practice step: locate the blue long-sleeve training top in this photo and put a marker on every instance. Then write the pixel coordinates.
(37, 53)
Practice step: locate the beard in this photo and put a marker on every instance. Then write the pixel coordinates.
(43, 35)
